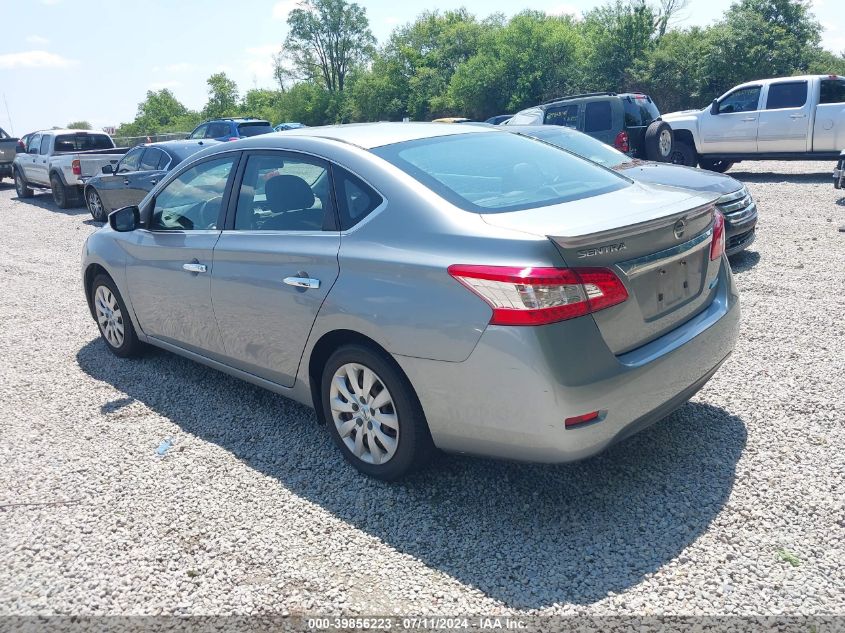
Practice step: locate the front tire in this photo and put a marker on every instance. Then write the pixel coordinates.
(373, 414)
(659, 142)
(719, 166)
(112, 318)
(683, 154)
(21, 186)
(95, 205)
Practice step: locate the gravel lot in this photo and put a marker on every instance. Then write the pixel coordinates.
(254, 511)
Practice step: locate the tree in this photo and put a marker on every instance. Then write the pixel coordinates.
(222, 96)
(79, 125)
(327, 38)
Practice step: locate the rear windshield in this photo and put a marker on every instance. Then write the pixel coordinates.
(639, 111)
(254, 129)
(581, 144)
(496, 172)
(82, 142)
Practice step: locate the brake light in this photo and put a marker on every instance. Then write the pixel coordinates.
(75, 167)
(234, 138)
(537, 296)
(622, 142)
(717, 246)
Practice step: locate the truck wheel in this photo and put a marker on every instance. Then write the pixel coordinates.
(21, 186)
(61, 195)
(659, 142)
(683, 154)
(719, 166)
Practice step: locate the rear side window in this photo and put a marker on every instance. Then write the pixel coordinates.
(45, 145)
(355, 198)
(492, 172)
(82, 142)
(150, 159)
(640, 111)
(218, 130)
(529, 117)
(832, 91)
(597, 116)
(254, 128)
(792, 94)
(567, 115)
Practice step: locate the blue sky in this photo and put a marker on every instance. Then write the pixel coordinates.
(66, 60)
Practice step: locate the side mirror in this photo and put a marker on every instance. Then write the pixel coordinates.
(125, 219)
(107, 169)
(714, 107)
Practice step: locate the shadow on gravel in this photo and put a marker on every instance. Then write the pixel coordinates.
(841, 202)
(744, 261)
(527, 535)
(772, 177)
(45, 201)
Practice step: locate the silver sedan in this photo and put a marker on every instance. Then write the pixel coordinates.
(426, 286)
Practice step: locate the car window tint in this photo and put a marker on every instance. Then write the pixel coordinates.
(254, 128)
(640, 111)
(284, 192)
(149, 161)
(131, 161)
(34, 143)
(566, 116)
(82, 141)
(199, 132)
(790, 94)
(218, 130)
(193, 200)
(742, 100)
(493, 172)
(355, 198)
(45, 145)
(163, 160)
(597, 116)
(832, 91)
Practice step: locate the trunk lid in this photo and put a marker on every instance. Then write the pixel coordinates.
(656, 239)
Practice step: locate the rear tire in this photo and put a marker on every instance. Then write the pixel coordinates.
(386, 441)
(683, 154)
(61, 194)
(719, 166)
(21, 186)
(113, 319)
(659, 142)
(95, 205)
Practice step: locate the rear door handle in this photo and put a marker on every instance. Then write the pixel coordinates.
(750, 118)
(194, 267)
(302, 282)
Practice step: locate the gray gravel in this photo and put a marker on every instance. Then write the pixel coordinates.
(253, 511)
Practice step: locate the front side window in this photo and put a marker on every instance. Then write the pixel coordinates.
(355, 198)
(34, 144)
(742, 100)
(131, 161)
(199, 132)
(597, 117)
(832, 91)
(791, 94)
(284, 192)
(192, 201)
(567, 116)
(491, 172)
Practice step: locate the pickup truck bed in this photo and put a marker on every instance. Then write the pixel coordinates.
(8, 150)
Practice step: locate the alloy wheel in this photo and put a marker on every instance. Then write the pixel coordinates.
(109, 316)
(665, 143)
(20, 188)
(364, 413)
(95, 205)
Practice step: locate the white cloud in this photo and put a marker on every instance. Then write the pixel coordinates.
(37, 39)
(391, 20)
(282, 8)
(161, 85)
(35, 59)
(266, 50)
(181, 67)
(564, 9)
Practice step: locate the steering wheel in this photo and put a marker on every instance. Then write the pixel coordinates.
(209, 212)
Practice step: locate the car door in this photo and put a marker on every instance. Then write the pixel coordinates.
(733, 129)
(785, 122)
(113, 188)
(829, 119)
(27, 162)
(169, 262)
(139, 183)
(275, 262)
(40, 167)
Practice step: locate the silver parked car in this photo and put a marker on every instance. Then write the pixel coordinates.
(426, 285)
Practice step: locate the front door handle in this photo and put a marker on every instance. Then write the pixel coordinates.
(154, 181)
(126, 181)
(797, 116)
(302, 282)
(194, 267)
(750, 118)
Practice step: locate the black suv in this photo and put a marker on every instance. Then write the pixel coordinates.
(231, 129)
(630, 121)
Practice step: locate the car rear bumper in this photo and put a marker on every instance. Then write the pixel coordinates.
(510, 398)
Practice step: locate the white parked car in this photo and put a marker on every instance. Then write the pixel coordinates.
(790, 118)
(62, 160)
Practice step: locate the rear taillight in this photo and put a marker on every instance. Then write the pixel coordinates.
(717, 246)
(537, 296)
(234, 138)
(622, 142)
(75, 167)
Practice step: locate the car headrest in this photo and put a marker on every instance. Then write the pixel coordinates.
(287, 193)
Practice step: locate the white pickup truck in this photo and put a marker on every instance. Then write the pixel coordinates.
(62, 160)
(790, 118)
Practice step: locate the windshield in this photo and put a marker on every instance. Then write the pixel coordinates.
(581, 144)
(497, 172)
(82, 142)
(254, 129)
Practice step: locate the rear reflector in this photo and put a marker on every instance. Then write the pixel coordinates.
(537, 296)
(717, 246)
(76, 167)
(581, 419)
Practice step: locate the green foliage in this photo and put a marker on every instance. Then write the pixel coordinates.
(222, 97)
(79, 125)
(327, 39)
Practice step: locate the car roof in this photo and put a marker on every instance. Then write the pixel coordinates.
(68, 131)
(183, 148)
(370, 135)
